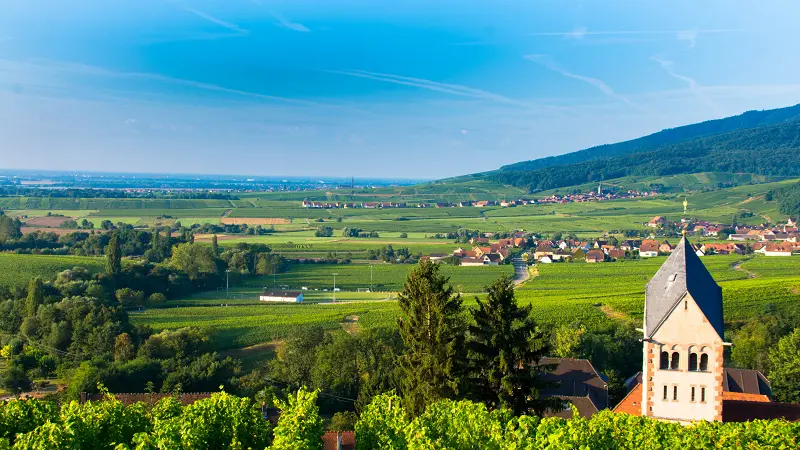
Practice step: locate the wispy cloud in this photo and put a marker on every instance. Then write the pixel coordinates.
(446, 88)
(230, 26)
(668, 65)
(688, 35)
(286, 23)
(581, 32)
(88, 70)
(546, 62)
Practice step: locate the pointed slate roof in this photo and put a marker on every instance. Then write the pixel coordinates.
(682, 273)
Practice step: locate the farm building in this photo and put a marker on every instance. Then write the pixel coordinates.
(281, 296)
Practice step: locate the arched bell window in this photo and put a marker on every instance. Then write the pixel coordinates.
(704, 362)
(692, 361)
(675, 362)
(664, 360)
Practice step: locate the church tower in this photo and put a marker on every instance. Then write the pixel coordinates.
(683, 341)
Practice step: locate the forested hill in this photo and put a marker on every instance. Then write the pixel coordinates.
(750, 119)
(767, 150)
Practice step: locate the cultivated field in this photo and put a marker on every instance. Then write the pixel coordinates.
(561, 294)
(17, 270)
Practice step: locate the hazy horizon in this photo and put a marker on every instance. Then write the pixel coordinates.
(418, 90)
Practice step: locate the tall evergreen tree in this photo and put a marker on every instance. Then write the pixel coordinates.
(35, 296)
(505, 346)
(113, 256)
(214, 245)
(433, 329)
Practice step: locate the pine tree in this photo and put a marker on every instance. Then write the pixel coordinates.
(432, 327)
(113, 256)
(505, 346)
(35, 296)
(214, 245)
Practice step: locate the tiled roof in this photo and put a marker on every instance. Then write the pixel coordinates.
(348, 440)
(682, 272)
(632, 403)
(586, 408)
(744, 397)
(746, 382)
(575, 378)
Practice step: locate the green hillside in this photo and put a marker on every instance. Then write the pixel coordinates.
(750, 119)
(768, 150)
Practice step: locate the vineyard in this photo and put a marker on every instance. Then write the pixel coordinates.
(17, 270)
(592, 293)
(226, 421)
(386, 277)
(561, 294)
(244, 324)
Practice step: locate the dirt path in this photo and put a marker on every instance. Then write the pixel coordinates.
(612, 313)
(738, 266)
(350, 325)
(227, 212)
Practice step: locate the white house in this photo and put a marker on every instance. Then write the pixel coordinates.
(281, 296)
(776, 250)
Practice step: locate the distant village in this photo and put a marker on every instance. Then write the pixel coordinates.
(781, 240)
(553, 199)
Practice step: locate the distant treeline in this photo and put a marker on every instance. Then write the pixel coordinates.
(770, 150)
(18, 191)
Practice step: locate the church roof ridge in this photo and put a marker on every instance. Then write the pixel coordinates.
(682, 273)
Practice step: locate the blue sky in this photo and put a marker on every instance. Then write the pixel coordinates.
(414, 89)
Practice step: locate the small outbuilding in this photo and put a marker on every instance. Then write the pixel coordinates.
(281, 296)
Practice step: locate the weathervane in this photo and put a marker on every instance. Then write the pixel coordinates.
(685, 207)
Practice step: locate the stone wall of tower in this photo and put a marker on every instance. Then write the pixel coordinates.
(647, 373)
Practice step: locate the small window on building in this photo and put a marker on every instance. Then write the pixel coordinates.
(665, 392)
(703, 395)
(686, 305)
(693, 394)
(676, 360)
(704, 362)
(664, 360)
(675, 393)
(693, 361)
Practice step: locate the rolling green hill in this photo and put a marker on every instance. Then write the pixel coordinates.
(770, 150)
(749, 119)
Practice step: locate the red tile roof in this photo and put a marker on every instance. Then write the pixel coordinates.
(348, 440)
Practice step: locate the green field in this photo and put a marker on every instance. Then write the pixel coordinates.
(386, 277)
(561, 294)
(585, 219)
(17, 270)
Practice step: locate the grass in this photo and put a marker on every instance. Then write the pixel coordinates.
(17, 270)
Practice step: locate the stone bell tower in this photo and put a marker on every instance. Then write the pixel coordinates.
(683, 341)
